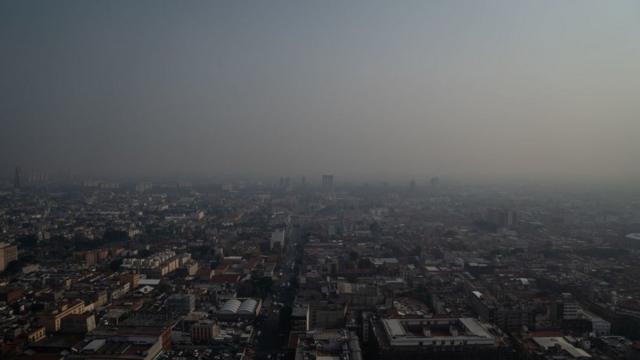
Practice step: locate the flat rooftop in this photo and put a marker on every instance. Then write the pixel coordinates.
(441, 332)
(551, 342)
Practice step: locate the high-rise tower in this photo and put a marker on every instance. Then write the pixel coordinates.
(327, 183)
(16, 178)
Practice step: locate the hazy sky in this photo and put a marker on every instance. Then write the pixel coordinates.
(450, 88)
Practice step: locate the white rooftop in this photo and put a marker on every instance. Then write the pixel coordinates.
(552, 341)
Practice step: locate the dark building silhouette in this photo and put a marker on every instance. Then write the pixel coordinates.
(16, 179)
(502, 217)
(327, 182)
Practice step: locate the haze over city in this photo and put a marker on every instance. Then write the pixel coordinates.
(468, 89)
(320, 180)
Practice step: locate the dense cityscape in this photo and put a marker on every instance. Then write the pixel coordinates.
(319, 180)
(297, 269)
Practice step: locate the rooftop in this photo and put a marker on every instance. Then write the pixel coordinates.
(443, 331)
(558, 341)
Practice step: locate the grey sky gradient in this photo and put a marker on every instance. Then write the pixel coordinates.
(457, 88)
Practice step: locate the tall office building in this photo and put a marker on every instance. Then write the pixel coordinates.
(327, 182)
(434, 181)
(570, 307)
(16, 178)
(502, 217)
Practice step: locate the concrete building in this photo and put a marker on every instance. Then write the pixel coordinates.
(558, 347)
(278, 237)
(149, 328)
(132, 278)
(8, 253)
(570, 307)
(327, 183)
(204, 330)
(36, 334)
(181, 304)
(332, 344)
(157, 265)
(52, 321)
(599, 326)
(78, 323)
(108, 349)
(323, 315)
(436, 338)
(502, 217)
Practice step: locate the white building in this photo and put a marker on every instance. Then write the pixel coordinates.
(277, 238)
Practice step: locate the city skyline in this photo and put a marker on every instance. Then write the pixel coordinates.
(319, 180)
(490, 90)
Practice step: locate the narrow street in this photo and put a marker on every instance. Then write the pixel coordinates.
(274, 332)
